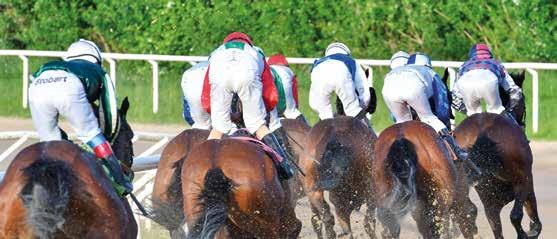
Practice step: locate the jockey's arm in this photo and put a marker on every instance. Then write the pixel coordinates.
(458, 101)
(109, 106)
(362, 87)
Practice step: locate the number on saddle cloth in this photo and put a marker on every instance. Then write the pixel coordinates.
(268, 150)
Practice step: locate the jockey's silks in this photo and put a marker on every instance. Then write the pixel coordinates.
(97, 87)
(488, 64)
(281, 105)
(270, 94)
(100, 146)
(344, 58)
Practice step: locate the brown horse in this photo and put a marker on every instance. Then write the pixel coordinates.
(502, 152)
(167, 202)
(231, 190)
(413, 171)
(338, 160)
(57, 190)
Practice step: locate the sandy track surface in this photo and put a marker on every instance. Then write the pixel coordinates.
(545, 179)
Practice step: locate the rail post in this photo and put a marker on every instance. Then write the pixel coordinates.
(155, 85)
(25, 82)
(535, 99)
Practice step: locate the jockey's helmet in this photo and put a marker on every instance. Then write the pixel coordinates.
(480, 51)
(85, 50)
(419, 58)
(278, 59)
(399, 59)
(239, 36)
(337, 47)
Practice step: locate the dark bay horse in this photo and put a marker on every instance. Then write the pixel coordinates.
(501, 151)
(413, 171)
(338, 159)
(56, 189)
(231, 190)
(167, 201)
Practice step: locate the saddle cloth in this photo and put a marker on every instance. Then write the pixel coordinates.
(268, 150)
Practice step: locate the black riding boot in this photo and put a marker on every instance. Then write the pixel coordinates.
(461, 155)
(362, 117)
(124, 186)
(284, 169)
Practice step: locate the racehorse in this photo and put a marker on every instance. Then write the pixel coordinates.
(231, 190)
(338, 159)
(413, 171)
(167, 202)
(503, 153)
(56, 189)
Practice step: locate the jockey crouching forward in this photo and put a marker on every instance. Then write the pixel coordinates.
(413, 85)
(287, 88)
(480, 78)
(237, 67)
(192, 86)
(338, 72)
(69, 88)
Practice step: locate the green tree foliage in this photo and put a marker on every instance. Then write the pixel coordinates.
(517, 30)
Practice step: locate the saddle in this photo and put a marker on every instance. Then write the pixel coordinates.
(245, 136)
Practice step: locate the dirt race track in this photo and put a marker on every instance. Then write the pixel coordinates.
(545, 180)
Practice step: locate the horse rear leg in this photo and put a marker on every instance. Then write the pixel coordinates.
(369, 219)
(493, 202)
(391, 227)
(465, 214)
(531, 207)
(517, 214)
(321, 214)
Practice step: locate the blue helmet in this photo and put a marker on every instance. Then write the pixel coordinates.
(419, 58)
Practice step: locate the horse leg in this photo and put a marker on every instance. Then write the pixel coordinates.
(391, 227)
(369, 219)
(343, 212)
(492, 206)
(465, 215)
(321, 214)
(531, 207)
(291, 226)
(516, 215)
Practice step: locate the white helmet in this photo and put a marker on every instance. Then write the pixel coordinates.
(85, 50)
(399, 59)
(337, 47)
(419, 58)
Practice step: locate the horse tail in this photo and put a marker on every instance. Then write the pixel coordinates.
(402, 159)
(485, 155)
(334, 163)
(213, 198)
(46, 195)
(169, 214)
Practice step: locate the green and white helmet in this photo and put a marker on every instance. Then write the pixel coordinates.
(337, 47)
(85, 50)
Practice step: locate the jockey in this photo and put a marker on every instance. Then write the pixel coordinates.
(70, 88)
(287, 87)
(338, 72)
(480, 78)
(192, 84)
(237, 66)
(414, 85)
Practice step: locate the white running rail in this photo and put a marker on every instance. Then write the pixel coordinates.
(111, 58)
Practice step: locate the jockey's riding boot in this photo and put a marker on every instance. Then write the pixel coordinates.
(362, 117)
(124, 186)
(510, 116)
(282, 138)
(461, 155)
(284, 169)
(302, 118)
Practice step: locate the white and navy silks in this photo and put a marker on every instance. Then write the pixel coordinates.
(418, 87)
(481, 79)
(340, 74)
(192, 85)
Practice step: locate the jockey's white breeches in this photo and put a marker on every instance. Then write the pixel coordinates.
(286, 75)
(326, 78)
(55, 93)
(192, 86)
(235, 72)
(405, 89)
(476, 85)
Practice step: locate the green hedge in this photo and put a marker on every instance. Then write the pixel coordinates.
(517, 30)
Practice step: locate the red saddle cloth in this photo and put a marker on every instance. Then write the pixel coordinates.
(268, 150)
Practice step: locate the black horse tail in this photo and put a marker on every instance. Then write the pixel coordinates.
(485, 155)
(402, 160)
(213, 198)
(334, 163)
(46, 195)
(170, 214)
